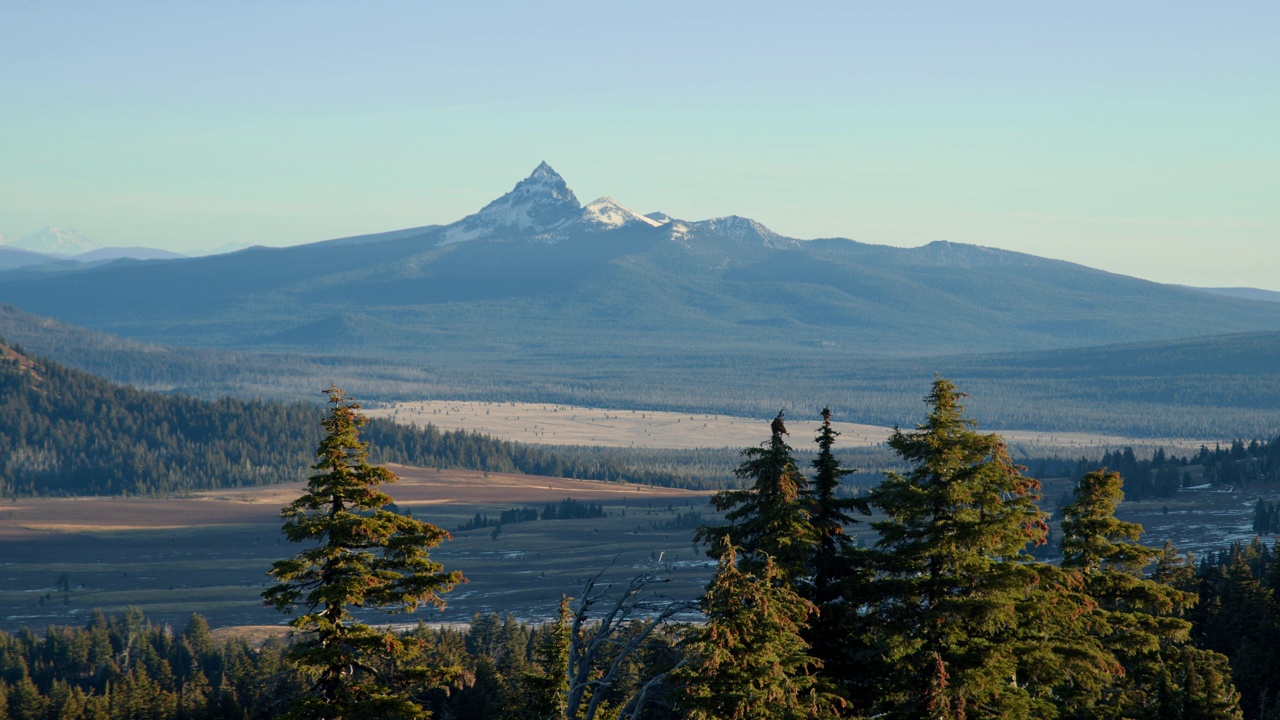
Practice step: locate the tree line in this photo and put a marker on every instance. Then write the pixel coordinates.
(126, 668)
(945, 616)
(1146, 390)
(66, 432)
(1162, 475)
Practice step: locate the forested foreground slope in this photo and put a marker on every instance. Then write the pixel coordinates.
(66, 432)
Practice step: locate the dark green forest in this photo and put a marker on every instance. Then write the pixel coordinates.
(1162, 474)
(65, 432)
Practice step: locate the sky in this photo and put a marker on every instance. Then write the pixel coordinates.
(1141, 138)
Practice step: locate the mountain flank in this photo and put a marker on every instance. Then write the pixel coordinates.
(538, 298)
(1220, 386)
(536, 269)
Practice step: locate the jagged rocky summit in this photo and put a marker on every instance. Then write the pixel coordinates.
(543, 206)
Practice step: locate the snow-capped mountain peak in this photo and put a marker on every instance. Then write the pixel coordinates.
(545, 172)
(542, 207)
(56, 240)
(537, 204)
(609, 213)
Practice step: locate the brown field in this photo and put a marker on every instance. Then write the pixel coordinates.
(24, 519)
(573, 425)
(60, 558)
(208, 553)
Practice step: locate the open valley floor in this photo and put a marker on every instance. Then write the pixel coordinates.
(61, 558)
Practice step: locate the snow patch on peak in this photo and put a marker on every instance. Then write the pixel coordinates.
(608, 213)
(741, 228)
(543, 185)
(57, 240)
(661, 217)
(537, 204)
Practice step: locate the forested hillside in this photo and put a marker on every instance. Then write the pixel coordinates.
(1210, 387)
(65, 432)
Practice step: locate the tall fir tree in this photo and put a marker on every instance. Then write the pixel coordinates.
(543, 689)
(951, 573)
(770, 521)
(1138, 620)
(748, 661)
(361, 556)
(830, 515)
(839, 568)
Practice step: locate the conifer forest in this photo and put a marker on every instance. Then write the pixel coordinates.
(949, 614)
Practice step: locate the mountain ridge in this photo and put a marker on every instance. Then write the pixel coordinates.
(536, 280)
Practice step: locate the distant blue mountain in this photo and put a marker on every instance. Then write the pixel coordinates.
(535, 276)
(119, 253)
(12, 257)
(1246, 293)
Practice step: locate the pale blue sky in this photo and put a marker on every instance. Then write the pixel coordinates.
(1137, 137)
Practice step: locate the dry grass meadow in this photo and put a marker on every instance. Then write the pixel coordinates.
(572, 425)
(208, 553)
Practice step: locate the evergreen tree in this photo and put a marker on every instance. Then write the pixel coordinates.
(364, 556)
(1133, 617)
(839, 568)
(770, 521)
(1239, 615)
(25, 701)
(1138, 620)
(830, 515)
(748, 662)
(1197, 686)
(544, 689)
(951, 578)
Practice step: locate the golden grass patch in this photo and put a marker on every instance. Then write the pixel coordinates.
(547, 424)
(250, 506)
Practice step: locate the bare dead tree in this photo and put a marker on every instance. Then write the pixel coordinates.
(600, 648)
